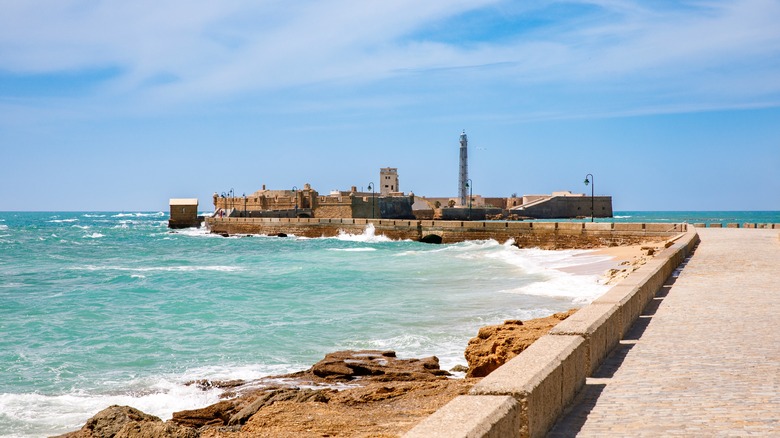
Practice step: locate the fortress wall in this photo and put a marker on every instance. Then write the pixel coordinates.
(548, 235)
(569, 206)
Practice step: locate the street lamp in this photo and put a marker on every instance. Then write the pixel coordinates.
(371, 187)
(592, 183)
(244, 196)
(468, 186)
(295, 195)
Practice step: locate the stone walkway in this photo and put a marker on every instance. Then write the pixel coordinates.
(704, 359)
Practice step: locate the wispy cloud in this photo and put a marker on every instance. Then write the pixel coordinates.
(690, 54)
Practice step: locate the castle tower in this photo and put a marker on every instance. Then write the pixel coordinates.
(388, 177)
(463, 175)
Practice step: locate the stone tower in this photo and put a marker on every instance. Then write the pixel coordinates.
(388, 177)
(463, 175)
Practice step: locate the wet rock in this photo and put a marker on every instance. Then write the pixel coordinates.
(459, 369)
(205, 384)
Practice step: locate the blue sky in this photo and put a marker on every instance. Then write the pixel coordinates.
(112, 105)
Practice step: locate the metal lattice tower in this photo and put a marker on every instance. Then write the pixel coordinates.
(463, 175)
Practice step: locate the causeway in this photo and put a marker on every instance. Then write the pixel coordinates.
(704, 357)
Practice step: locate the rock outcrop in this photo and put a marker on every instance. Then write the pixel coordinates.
(496, 344)
(376, 365)
(126, 422)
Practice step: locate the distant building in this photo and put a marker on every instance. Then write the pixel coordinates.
(388, 177)
(184, 213)
(308, 203)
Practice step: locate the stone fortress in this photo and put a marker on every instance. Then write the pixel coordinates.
(387, 201)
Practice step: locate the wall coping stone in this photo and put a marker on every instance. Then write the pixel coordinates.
(499, 418)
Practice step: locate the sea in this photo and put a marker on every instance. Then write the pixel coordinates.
(104, 308)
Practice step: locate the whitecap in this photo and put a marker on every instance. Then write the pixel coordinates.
(83, 227)
(94, 236)
(352, 249)
(368, 235)
(60, 221)
(3, 227)
(93, 215)
(159, 213)
(216, 268)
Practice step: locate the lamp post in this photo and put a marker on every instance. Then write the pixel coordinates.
(295, 195)
(468, 186)
(371, 187)
(244, 196)
(592, 183)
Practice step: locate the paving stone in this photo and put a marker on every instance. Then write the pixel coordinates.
(708, 361)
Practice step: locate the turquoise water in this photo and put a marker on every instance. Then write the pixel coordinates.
(113, 308)
(691, 217)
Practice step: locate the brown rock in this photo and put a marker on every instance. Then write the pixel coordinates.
(126, 422)
(495, 345)
(217, 414)
(375, 365)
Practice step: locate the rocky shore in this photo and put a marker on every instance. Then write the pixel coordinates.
(348, 393)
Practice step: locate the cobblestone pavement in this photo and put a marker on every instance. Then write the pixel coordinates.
(704, 359)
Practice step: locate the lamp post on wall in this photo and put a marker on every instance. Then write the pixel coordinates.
(244, 196)
(224, 205)
(592, 183)
(371, 187)
(295, 195)
(468, 186)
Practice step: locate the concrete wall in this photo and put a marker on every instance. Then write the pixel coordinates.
(545, 377)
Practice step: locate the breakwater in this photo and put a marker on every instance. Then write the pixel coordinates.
(548, 235)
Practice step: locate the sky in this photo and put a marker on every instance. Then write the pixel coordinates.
(119, 106)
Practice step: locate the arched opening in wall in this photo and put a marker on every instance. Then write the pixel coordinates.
(431, 238)
(303, 215)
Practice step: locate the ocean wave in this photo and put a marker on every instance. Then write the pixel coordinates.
(93, 215)
(158, 214)
(580, 289)
(3, 227)
(621, 217)
(83, 227)
(61, 221)
(368, 235)
(94, 236)
(216, 268)
(33, 414)
(352, 249)
(195, 232)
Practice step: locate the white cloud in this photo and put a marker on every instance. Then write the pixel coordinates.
(182, 51)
